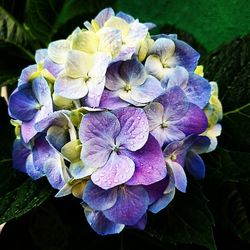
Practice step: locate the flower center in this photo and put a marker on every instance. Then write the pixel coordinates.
(86, 78)
(116, 148)
(127, 87)
(173, 157)
(164, 124)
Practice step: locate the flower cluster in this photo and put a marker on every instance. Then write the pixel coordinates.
(116, 117)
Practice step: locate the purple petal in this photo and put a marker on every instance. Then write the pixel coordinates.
(95, 93)
(48, 161)
(149, 162)
(174, 102)
(194, 121)
(110, 100)
(195, 165)
(201, 144)
(134, 128)
(20, 153)
(185, 55)
(125, 54)
(97, 133)
(179, 176)
(166, 135)
(132, 72)
(53, 67)
(148, 91)
(104, 15)
(98, 198)
(100, 224)
(23, 105)
(162, 202)
(113, 79)
(198, 90)
(154, 112)
(31, 169)
(164, 48)
(155, 190)
(117, 170)
(141, 224)
(70, 88)
(28, 131)
(131, 205)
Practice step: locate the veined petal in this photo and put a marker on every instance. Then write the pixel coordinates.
(117, 170)
(57, 51)
(129, 207)
(134, 128)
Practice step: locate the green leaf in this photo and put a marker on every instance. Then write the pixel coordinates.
(187, 220)
(211, 22)
(45, 18)
(13, 34)
(23, 198)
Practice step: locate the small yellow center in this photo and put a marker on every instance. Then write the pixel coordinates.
(127, 87)
(164, 124)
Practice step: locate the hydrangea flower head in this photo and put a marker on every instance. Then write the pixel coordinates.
(116, 117)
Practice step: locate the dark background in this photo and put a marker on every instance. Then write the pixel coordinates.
(215, 213)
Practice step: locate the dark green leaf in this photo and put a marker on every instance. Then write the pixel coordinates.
(23, 198)
(211, 22)
(13, 34)
(187, 220)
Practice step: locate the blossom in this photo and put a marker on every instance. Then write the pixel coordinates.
(167, 53)
(116, 146)
(39, 159)
(171, 117)
(128, 83)
(84, 75)
(31, 103)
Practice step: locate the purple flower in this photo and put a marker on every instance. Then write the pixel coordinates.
(196, 88)
(167, 53)
(30, 103)
(128, 82)
(171, 117)
(186, 153)
(39, 159)
(117, 149)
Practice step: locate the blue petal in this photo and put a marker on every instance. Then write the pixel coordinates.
(185, 55)
(141, 224)
(23, 104)
(126, 17)
(132, 203)
(20, 153)
(98, 198)
(100, 224)
(195, 165)
(198, 90)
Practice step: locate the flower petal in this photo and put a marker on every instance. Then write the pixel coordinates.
(148, 91)
(195, 165)
(154, 112)
(134, 128)
(100, 224)
(70, 88)
(104, 15)
(57, 51)
(40, 55)
(97, 133)
(185, 55)
(98, 198)
(129, 207)
(194, 121)
(149, 162)
(117, 170)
